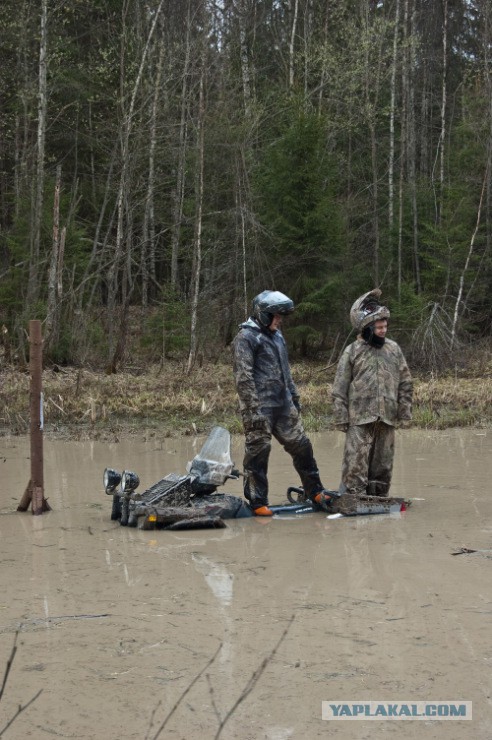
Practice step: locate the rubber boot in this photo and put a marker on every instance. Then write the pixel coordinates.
(377, 488)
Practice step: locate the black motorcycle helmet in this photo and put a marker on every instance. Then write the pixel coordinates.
(268, 303)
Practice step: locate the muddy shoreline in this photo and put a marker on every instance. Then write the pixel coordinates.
(82, 404)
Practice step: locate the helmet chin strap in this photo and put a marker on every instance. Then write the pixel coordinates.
(371, 338)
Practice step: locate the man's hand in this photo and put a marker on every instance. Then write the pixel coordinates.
(297, 404)
(342, 427)
(405, 424)
(252, 421)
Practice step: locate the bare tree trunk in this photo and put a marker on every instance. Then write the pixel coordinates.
(59, 269)
(33, 284)
(51, 325)
(122, 199)
(178, 194)
(400, 217)
(411, 148)
(371, 108)
(197, 257)
(91, 155)
(375, 198)
(443, 106)
(245, 74)
(306, 37)
(323, 67)
(488, 87)
(148, 237)
(243, 260)
(292, 44)
(96, 244)
(403, 144)
(391, 166)
(468, 258)
(23, 117)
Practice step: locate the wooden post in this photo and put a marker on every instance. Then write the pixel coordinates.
(34, 492)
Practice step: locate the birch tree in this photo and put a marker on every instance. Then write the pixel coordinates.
(122, 200)
(197, 247)
(180, 181)
(54, 278)
(147, 257)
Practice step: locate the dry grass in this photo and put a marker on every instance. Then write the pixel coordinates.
(79, 401)
(445, 402)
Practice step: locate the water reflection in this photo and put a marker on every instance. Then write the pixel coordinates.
(218, 578)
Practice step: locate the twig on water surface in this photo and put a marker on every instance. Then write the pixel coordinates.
(152, 719)
(21, 708)
(254, 679)
(189, 687)
(467, 551)
(212, 698)
(9, 664)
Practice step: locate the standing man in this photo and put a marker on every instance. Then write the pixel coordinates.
(269, 403)
(372, 393)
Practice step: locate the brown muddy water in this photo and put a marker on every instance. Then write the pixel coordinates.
(115, 623)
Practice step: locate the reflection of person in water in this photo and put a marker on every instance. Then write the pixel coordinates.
(269, 402)
(372, 393)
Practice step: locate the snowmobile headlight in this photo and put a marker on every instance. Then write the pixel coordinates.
(129, 481)
(111, 479)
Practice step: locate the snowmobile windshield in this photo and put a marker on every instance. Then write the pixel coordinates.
(213, 464)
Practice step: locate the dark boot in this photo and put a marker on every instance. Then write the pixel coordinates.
(307, 468)
(255, 476)
(377, 488)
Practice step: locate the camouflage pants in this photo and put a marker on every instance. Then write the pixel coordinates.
(285, 425)
(368, 458)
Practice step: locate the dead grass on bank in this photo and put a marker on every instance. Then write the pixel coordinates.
(444, 402)
(80, 402)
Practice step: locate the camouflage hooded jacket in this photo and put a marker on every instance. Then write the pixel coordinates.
(261, 368)
(372, 383)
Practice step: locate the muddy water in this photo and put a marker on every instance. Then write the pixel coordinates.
(116, 623)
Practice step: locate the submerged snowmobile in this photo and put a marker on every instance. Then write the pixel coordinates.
(191, 501)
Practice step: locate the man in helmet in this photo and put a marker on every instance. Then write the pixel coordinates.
(269, 402)
(372, 393)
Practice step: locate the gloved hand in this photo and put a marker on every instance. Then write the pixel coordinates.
(405, 424)
(253, 421)
(342, 427)
(297, 404)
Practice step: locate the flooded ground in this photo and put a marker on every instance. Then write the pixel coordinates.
(116, 624)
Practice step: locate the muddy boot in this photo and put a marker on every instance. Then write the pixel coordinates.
(377, 488)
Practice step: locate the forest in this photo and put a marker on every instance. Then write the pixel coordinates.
(163, 161)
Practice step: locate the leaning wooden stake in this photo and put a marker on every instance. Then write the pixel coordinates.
(34, 492)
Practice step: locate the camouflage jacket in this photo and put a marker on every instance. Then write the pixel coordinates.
(261, 368)
(372, 383)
